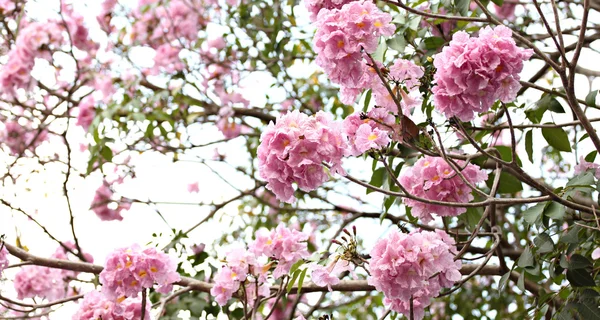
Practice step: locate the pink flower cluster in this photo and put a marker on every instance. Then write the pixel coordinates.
(314, 6)
(584, 166)
(283, 246)
(433, 179)
(293, 149)
(414, 265)
(367, 134)
(96, 306)
(472, 73)
(35, 40)
(103, 205)
(330, 275)
(405, 78)
(52, 284)
(167, 60)
(129, 270)
(87, 112)
(287, 246)
(341, 33)
(19, 138)
(506, 11)
(3, 258)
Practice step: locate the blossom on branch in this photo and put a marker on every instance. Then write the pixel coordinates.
(413, 266)
(432, 178)
(474, 72)
(293, 149)
(129, 270)
(96, 306)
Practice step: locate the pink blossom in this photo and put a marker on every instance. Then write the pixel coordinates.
(506, 11)
(19, 138)
(86, 113)
(287, 246)
(36, 281)
(433, 179)
(167, 60)
(472, 73)
(322, 277)
(96, 306)
(414, 265)
(3, 257)
(596, 254)
(370, 138)
(105, 207)
(314, 6)
(198, 248)
(128, 270)
(193, 187)
(293, 149)
(7, 6)
(584, 166)
(340, 37)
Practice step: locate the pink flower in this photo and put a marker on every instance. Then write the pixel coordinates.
(433, 179)
(472, 73)
(287, 246)
(36, 281)
(167, 60)
(506, 11)
(193, 187)
(596, 254)
(584, 166)
(341, 35)
(96, 306)
(198, 248)
(293, 149)
(3, 258)
(128, 270)
(414, 265)
(321, 276)
(86, 112)
(19, 138)
(314, 6)
(370, 138)
(105, 207)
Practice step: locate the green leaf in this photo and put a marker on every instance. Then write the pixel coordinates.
(526, 259)
(580, 278)
(503, 281)
(296, 265)
(572, 235)
(508, 183)
(433, 43)
(462, 6)
(591, 156)
(555, 211)
(590, 99)
(378, 178)
(301, 280)
(544, 243)
(506, 154)
(555, 106)
(106, 153)
(557, 138)
(293, 280)
(533, 215)
(521, 282)
(529, 145)
(583, 179)
(397, 43)
(588, 309)
(578, 261)
(498, 2)
(367, 100)
(380, 52)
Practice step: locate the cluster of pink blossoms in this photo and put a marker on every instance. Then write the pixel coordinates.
(49, 283)
(35, 40)
(129, 270)
(19, 138)
(365, 134)
(472, 73)
(341, 33)
(287, 246)
(314, 6)
(282, 246)
(87, 112)
(584, 166)
(414, 265)
(293, 149)
(3, 258)
(105, 207)
(96, 306)
(433, 179)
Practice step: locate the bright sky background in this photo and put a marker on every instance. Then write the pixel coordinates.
(159, 179)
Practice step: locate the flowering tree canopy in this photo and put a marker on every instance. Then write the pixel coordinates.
(313, 159)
